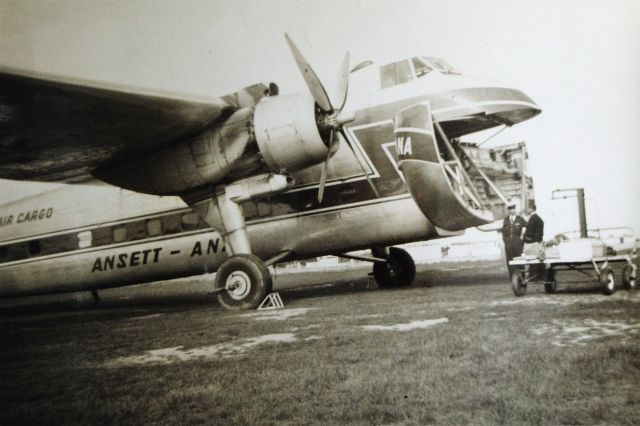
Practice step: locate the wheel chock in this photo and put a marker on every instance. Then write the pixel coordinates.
(272, 301)
(371, 283)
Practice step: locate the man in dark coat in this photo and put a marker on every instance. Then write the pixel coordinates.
(535, 227)
(512, 227)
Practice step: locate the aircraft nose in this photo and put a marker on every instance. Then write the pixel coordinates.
(468, 105)
(496, 103)
(434, 174)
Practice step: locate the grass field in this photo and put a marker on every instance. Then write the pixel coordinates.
(456, 348)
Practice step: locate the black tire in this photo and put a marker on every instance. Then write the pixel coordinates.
(399, 271)
(247, 279)
(518, 285)
(607, 280)
(629, 277)
(550, 283)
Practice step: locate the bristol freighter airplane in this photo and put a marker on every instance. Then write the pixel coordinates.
(162, 187)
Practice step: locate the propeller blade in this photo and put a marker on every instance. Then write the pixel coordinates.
(323, 180)
(362, 166)
(342, 88)
(333, 147)
(313, 82)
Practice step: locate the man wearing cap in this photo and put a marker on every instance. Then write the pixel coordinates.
(512, 228)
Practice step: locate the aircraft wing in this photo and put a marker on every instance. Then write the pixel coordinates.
(52, 129)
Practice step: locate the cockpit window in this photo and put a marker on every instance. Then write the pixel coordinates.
(396, 73)
(440, 65)
(407, 70)
(421, 67)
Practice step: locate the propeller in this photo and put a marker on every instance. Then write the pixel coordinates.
(333, 119)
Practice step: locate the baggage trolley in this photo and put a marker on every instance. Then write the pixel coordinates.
(598, 269)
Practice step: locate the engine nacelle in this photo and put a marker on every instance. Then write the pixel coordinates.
(205, 158)
(287, 134)
(279, 134)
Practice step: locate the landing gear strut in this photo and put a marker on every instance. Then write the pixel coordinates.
(398, 271)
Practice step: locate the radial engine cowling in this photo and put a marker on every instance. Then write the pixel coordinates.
(287, 134)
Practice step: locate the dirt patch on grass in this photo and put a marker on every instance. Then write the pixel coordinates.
(564, 300)
(572, 332)
(220, 351)
(278, 315)
(413, 325)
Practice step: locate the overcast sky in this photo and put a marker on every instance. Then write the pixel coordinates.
(579, 60)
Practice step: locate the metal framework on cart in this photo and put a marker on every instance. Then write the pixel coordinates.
(598, 269)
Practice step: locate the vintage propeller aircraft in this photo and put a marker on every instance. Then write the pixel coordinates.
(240, 183)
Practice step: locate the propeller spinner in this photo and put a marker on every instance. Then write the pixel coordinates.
(333, 119)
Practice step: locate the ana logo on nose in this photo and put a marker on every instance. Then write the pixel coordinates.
(403, 145)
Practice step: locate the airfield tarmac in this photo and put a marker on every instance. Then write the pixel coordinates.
(455, 348)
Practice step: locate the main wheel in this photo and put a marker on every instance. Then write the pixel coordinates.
(246, 280)
(629, 276)
(518, 285)
(399, 271)
(608, 281)
(550, 283)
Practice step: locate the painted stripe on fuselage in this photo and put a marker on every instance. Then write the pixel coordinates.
(202, 251)
(96, 225)
(104, 247)
(25, 257)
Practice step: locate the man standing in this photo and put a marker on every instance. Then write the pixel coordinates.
(512, 227)
(535, 227)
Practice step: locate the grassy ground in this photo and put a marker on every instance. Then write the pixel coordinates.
(458, 348)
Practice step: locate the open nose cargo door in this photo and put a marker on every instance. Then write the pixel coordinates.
(458, 185)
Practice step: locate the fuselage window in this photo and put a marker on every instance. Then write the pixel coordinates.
(171, 224)
(84, 239)
(190, 221)
(119, 234)
(154, 227)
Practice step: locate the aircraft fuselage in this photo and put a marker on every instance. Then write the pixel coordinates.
(80, 242)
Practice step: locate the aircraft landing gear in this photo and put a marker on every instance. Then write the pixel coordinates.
(246, 282)
(243, 280)
(398, 271)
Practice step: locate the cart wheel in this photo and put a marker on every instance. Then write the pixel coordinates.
(550, 283)
(629, 277)
(518, 285)
(608, 281)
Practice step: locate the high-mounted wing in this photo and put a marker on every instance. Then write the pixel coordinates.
(57, 130)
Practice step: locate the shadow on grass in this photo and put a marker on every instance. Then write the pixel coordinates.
(580, 288)
(462, 274)
(123, 307)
